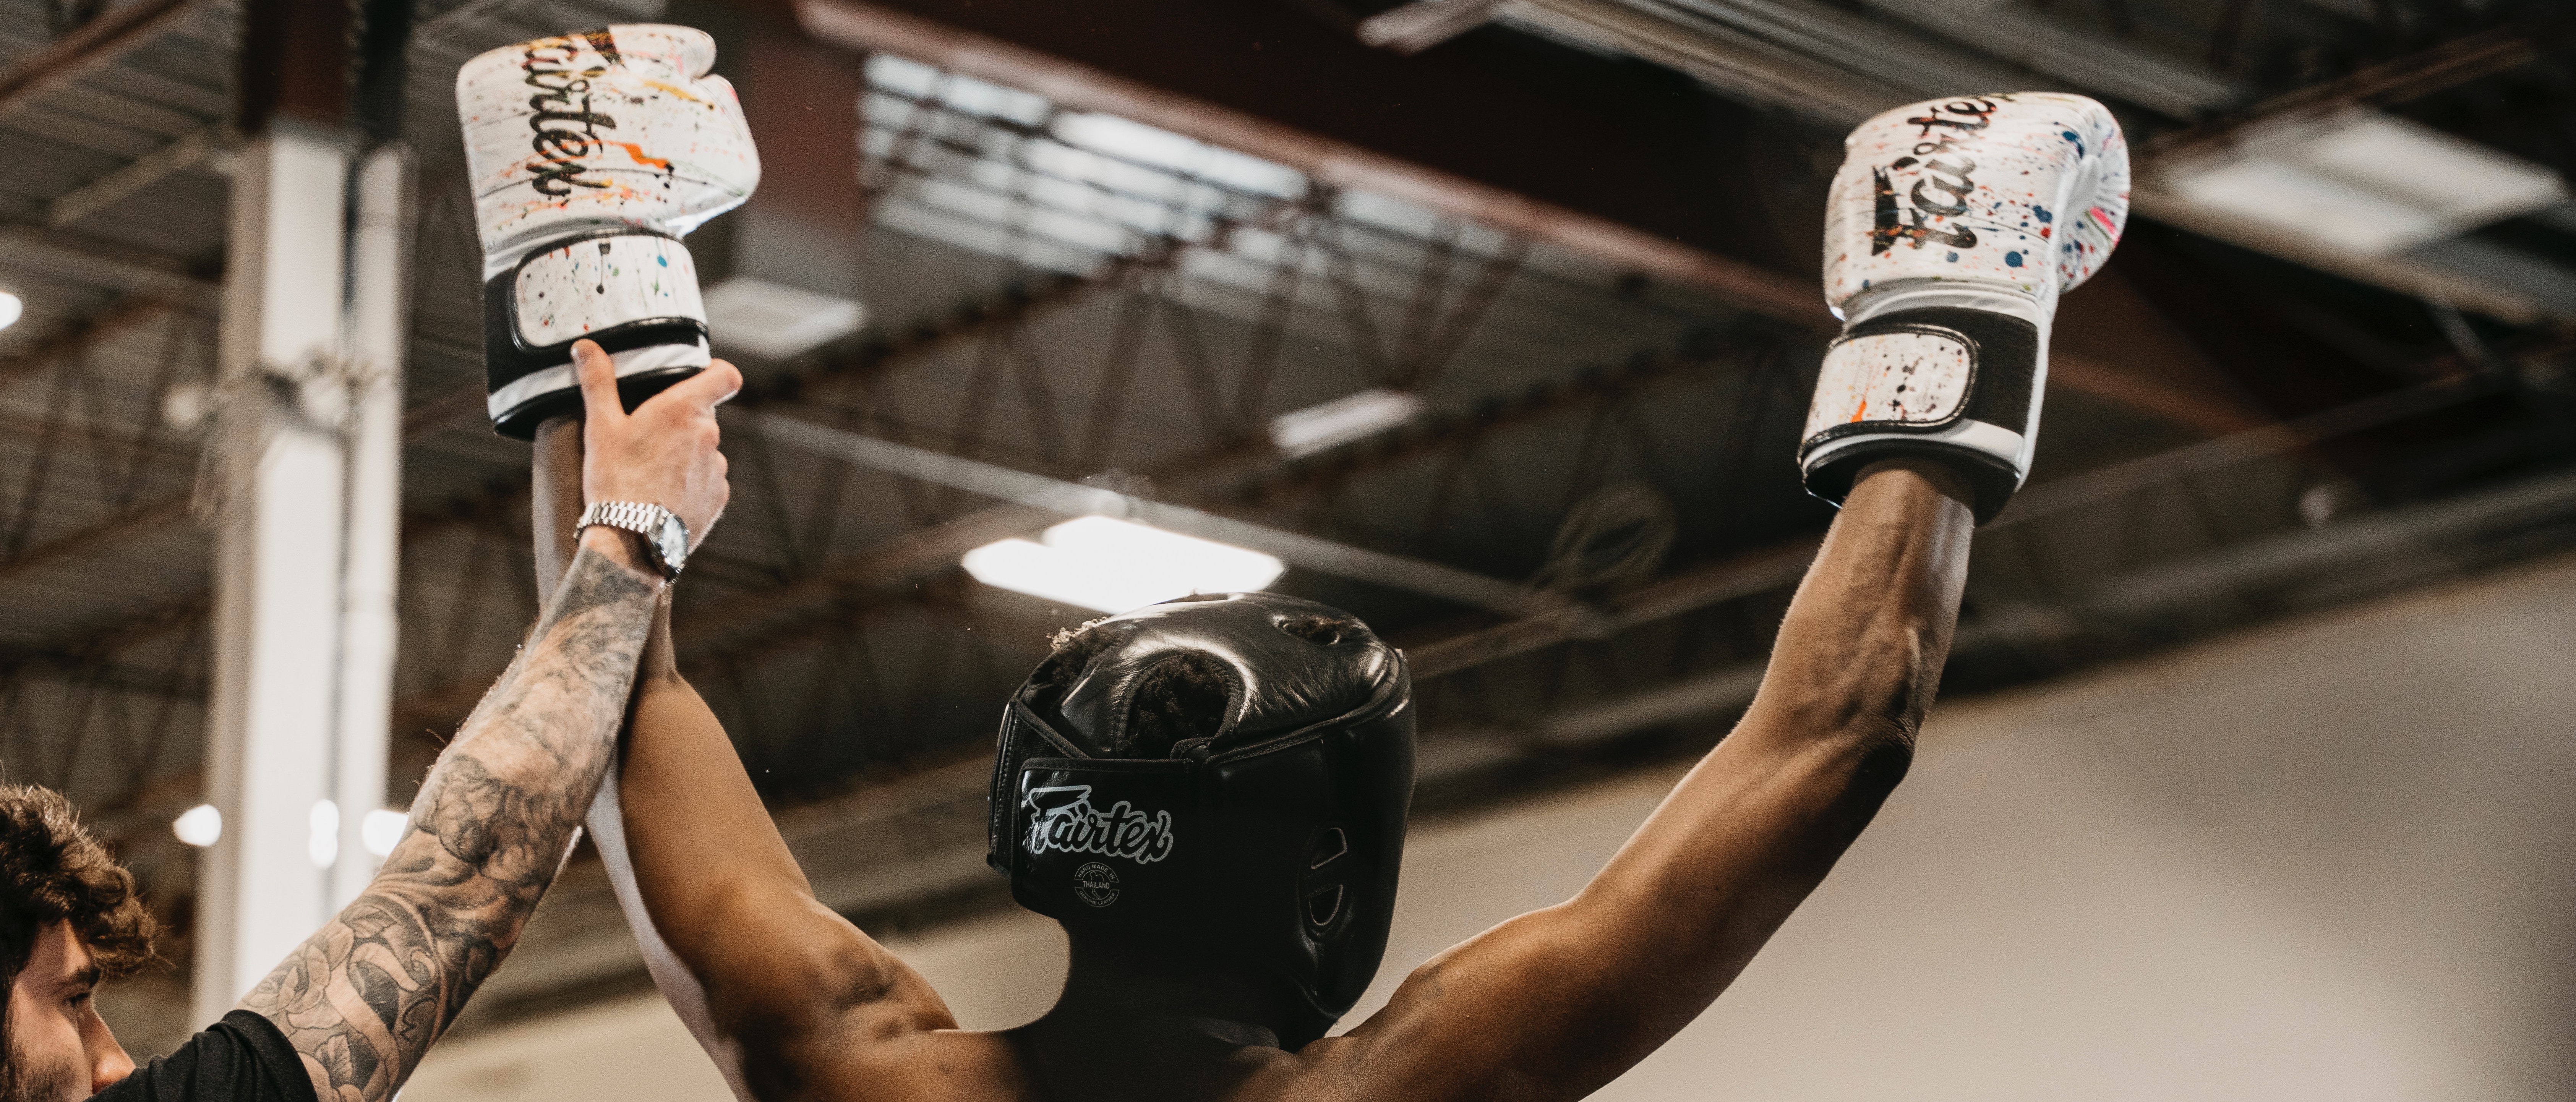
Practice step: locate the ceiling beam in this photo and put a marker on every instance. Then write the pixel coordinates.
(80, 337)
(2416, 75)
(56, 254)
(139, 175)
(116, 32)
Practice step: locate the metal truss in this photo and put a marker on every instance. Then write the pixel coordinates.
(2102, 564)
(1622, 447)
(1073, 372)
(2111, 563)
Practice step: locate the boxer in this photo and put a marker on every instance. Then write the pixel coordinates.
(1210, 795)
(349, 1014)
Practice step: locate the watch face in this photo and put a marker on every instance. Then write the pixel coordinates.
(673, 542)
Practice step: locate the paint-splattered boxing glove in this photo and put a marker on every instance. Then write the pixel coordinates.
(591, 153)
(1952, 228)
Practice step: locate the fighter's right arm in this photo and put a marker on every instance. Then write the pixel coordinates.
(798, 991)
(773, 983)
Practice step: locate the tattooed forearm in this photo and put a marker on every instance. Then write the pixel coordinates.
(363, 998)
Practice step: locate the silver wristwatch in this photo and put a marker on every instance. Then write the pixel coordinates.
(661, 529)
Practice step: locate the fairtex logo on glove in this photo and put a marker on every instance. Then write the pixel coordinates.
(1062, 820)
(566, 129)
(1945, 169)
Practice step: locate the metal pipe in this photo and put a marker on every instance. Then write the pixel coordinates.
(1075, 499)
(379, 272)
(1782, 566)
(98, 42)
(2137, 597)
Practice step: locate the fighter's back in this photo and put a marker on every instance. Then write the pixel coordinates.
(1027, 1065)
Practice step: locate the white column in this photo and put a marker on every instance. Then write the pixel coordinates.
(280, 477)
(379, 292)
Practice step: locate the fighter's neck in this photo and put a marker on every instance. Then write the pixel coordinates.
(1134, 989)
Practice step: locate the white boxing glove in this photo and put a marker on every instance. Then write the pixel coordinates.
(590, 154)
(1952, 228)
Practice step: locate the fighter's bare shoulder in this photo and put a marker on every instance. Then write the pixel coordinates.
(918, 1066)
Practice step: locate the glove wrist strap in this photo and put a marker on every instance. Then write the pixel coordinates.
(632, 290)
(1957, 384)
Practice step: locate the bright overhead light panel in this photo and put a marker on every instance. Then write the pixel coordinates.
(1113, 565)
(775, 321)
(1342, 420)
(11, 306)
(2363, 181)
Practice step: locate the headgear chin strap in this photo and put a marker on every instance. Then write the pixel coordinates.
(1276, 840)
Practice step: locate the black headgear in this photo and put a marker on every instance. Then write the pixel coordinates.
(1276, 839)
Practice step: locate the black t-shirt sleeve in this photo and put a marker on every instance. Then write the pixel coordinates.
(242, 1058)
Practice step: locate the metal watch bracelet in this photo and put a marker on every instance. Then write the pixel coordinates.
(664, 535)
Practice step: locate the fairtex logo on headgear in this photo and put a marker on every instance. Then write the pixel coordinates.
(1062, 820)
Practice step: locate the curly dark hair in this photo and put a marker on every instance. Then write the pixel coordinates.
(51, 870)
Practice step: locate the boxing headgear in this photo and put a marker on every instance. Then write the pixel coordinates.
(1276, 839)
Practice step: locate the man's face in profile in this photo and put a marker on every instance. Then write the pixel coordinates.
(58, 1048)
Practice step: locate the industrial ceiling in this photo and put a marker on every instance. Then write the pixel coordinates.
(998, 252)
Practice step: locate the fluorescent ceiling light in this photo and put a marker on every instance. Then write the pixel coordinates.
(2364, 182)
(11, 306)
(923, 83)
(775, 321)
(1342, 420)
(1129, 140)
(1113, 565)
(199, 826)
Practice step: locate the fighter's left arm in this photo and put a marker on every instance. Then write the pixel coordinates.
(1557, 1002)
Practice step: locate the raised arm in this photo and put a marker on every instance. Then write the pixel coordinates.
(1952, 227)
(556, 501)
(769, 980)
(363, 998)
(1557, 1002)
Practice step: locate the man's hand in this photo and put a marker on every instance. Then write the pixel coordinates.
(662, 454)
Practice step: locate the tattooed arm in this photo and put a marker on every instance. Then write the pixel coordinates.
(365, 996)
